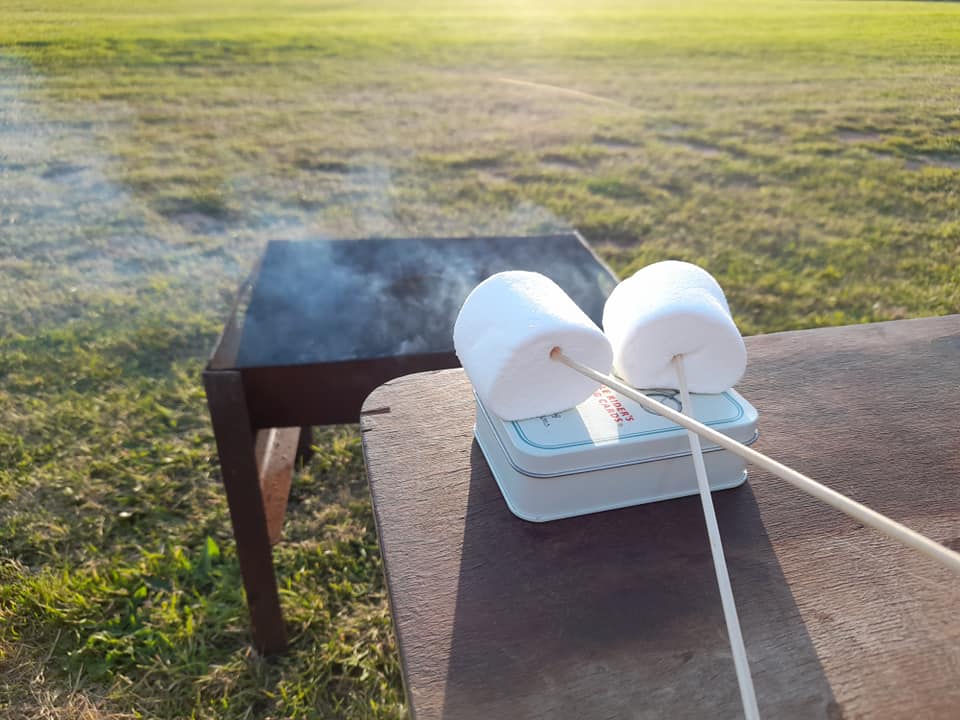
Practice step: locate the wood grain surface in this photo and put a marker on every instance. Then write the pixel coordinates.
(616, 615)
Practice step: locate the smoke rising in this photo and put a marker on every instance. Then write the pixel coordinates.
(318, 301)
(73, 232)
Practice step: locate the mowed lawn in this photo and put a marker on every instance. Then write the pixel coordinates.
(806, 153)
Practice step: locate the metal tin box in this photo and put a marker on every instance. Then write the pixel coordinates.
(608, 452)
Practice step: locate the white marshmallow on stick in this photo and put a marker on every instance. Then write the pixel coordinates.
(674, 308)
(670, 326)
(503, 336)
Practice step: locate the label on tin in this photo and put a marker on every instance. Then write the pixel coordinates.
(608, 417)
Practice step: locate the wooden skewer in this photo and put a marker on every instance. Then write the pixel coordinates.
(747, 694)
(861, 513)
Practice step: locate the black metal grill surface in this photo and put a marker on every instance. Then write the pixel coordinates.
(327, 301)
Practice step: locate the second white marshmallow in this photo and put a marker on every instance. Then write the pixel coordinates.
(674, 308)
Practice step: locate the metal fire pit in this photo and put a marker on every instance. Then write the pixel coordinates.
(318, 326)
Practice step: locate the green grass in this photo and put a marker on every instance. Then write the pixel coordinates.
(806, 153)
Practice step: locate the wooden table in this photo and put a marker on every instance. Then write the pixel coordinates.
(617, 615)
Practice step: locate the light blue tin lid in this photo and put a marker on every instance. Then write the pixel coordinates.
(608, 430)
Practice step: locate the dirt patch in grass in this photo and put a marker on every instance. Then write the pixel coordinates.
(919, 163)
(563, 163)
(700, 147)
(321, 165)
(614, 141)
(851, 136)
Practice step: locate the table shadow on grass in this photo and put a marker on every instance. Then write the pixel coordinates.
(617, 614)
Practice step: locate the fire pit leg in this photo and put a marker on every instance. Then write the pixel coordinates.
(305, 446)
(236, 447)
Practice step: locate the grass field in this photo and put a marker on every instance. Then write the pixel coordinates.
(807, 153)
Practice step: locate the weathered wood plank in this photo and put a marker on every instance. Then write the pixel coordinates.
(276, 451)
(617, 614)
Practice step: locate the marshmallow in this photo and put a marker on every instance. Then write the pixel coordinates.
(504, 334)
(674, 308)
